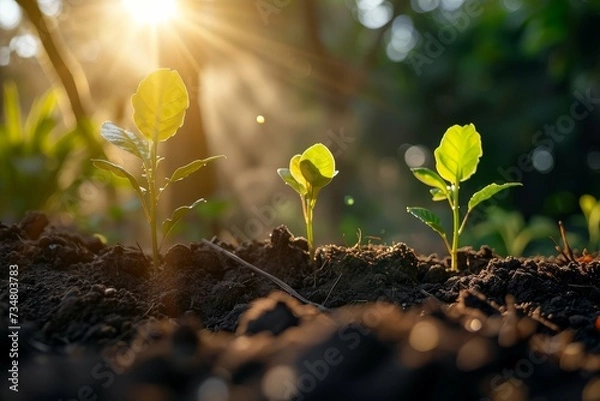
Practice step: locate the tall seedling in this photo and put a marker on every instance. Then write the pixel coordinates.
(456, 160)
(159, 107)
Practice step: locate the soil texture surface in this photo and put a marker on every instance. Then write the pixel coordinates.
(98, 322)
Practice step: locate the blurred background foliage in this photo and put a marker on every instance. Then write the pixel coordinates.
(378, 81)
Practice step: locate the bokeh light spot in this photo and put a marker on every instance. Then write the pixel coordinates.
(213, 389)
(415, 156)
(542, 160)
(11, 14)
(424, 336)
(424, 6)
(593, 160)
(26, 46)
(260, 119)
(51, 8)
(348, 200)
(376, 17)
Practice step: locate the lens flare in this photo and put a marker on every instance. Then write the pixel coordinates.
(151, 12)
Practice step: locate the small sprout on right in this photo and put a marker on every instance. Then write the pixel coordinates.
(456, 160)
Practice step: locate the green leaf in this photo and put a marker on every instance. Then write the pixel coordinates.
(184, 171)
(438, 195)
(430, 177)
(120, 172)
(489, 191)
(159, 105)
(177, 215)
(296, 173)
(126, 140)
(429, 218)
(587, 203)
(457, 157)
(40, 121)
(12, 113)
(317, 165)
(312, 174)
(287, 177)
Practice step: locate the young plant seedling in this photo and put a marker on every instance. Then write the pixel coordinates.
(159, 107)
(456, 160)
(590, 207)
(307, 174)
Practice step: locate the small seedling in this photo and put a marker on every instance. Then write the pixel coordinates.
(590, 207)
(307, 174)
(456, 160)
(159, 107)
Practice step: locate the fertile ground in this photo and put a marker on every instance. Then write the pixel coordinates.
(99, 322)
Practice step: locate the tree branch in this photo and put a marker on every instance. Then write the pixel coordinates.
(67, 69)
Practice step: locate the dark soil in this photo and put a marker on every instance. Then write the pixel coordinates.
(99, 323)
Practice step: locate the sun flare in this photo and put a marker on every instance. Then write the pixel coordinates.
(152, 12)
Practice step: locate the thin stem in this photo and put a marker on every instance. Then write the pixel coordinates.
(151, 176)
(455, 227)
(309, 226)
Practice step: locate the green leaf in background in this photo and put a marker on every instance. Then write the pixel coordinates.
(40, 121)
(429, 218)
(587, 203)
(489, 191)
(126, 140)
(177, 215)
(159, 105)
(457, 157)
(12, 113)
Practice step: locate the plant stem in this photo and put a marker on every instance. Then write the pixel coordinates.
(151, 176)
(309, 228)
(307, 211)
(455, 227)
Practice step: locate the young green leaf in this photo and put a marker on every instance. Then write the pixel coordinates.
(429, 218)
(296, 172)
(307, 174)
(184, 171)
(319, 165)
(287, 177)
(457, 156)
(177, 215)
(456, 160)
(126, 140)
(438, 195)
(587, 203)
(488, 191)
(159, 105)
(430, 177)
(120, 172)
(313, 175)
